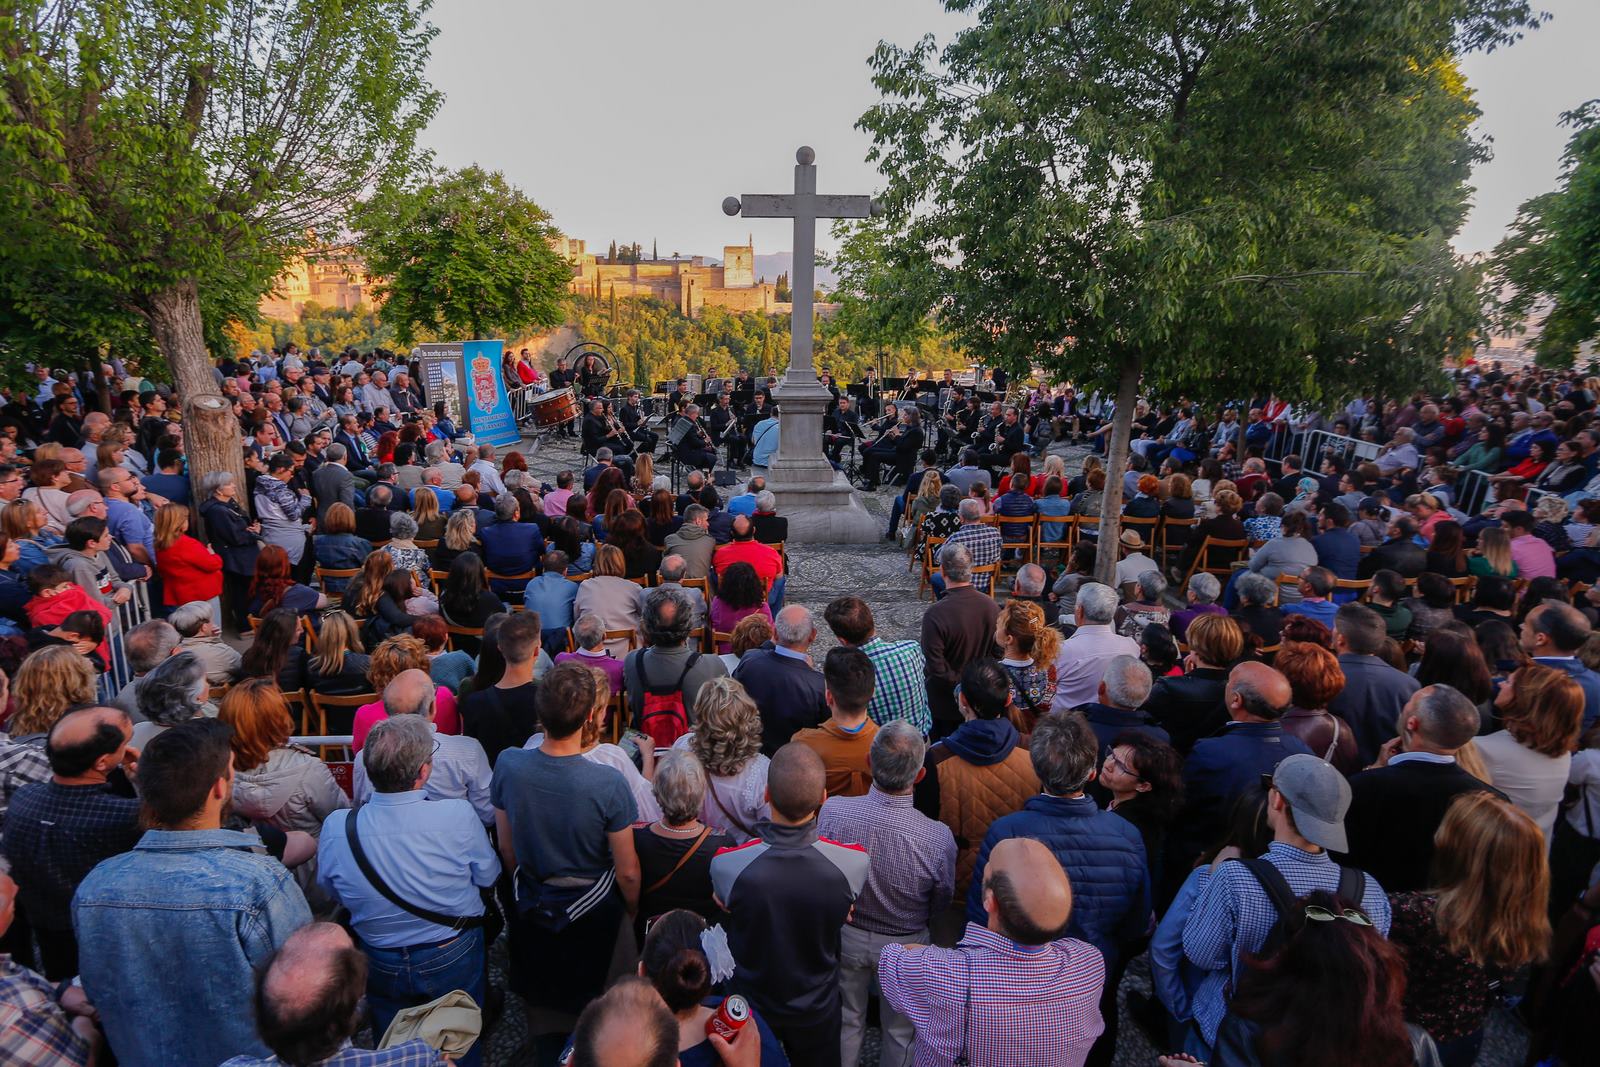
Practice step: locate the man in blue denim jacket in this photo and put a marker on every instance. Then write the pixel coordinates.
(172, 932)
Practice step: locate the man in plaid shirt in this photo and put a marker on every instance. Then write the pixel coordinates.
(36, 1029)
(981, 541)
(1013, 992)
(899, 694)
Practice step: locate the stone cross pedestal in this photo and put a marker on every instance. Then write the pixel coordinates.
(818, 501)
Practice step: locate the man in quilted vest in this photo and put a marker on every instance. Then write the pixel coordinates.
(975, 775)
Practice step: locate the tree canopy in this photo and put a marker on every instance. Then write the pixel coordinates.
(1552, 254)
(464, 253)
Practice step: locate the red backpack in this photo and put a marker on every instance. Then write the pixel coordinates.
(665, 719)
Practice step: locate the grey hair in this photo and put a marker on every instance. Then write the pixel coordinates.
(170, 693)
(666, 618)
(1205, 587)
(1064, 751)
(1448, 718)
(793, 626)
(506, 508)
(382, 470)
(589, 631)
(679, 785)
(335, 452)
(1097, 602)
(1151, 586)
(896, 756)
(672, 567)
(1127, 682)
(513, 479)
(379, 496)
(602, 455)
(1256, 588)
(433, 452)
(395, 752)
(1029, 580)
(970, 510)
(214, 480)
(949, 496)
(149, 644)
(956, 563)
(402, 526)
(765, 501)
(188, 618)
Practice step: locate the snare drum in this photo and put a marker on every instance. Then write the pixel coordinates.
(555, 408)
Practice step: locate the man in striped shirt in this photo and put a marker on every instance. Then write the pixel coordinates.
(900, 693)
(1013, 991)
(981, 541)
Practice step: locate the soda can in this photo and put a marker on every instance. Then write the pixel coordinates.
(729, 1018)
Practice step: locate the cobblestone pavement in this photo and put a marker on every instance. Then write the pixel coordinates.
(878, 574)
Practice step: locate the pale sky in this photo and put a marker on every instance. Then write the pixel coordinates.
(632, 119)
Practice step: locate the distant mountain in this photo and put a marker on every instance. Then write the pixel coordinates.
(772, 264)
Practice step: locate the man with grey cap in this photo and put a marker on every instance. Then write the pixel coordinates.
(1306, 804)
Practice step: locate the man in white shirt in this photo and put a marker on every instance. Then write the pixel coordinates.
(1082, 661)
(460, 766)
(1399, 453)
(488, 478)
(1133, 562)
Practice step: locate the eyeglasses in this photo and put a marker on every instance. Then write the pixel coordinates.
(1323, 915)
(1122, 768)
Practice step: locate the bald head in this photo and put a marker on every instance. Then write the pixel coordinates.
(796, 783)
(410, 693)
(1256, 692)
(794, 628)
(1025, 892)
(307, 995)
(628, 1027)
(88, 744)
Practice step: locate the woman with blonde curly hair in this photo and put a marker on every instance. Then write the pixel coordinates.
(273, 781)
(727, 737)
(393, 657)
(49, 682)
(1030, 645)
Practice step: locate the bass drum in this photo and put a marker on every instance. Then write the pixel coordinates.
(555, 408)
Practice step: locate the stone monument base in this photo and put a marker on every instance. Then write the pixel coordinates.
(827, 514)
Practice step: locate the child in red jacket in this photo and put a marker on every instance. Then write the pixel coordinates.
(55, 597)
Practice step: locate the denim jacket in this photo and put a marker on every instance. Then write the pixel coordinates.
(173, 932)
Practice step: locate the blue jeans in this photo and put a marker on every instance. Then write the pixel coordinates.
(400, 978)
(775, 594)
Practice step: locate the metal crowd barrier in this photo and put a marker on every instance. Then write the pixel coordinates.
(1473, 492)
(1320, 444)
(124, 617)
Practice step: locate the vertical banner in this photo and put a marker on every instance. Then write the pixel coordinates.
(465, 375)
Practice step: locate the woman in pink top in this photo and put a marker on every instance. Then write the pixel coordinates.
(399, 653)
(739, 594)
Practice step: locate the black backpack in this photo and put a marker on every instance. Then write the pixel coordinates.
(1352, 889)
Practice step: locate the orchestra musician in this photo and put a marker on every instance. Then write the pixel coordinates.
(871, 391)
(679, 397)
(897, 447)
(1005, 440)
(743, 389)
(953, 419)
(635, 421)
(836, 428)
(826, 381)
(561, 378)
(725, 428)
(690, 441)
(592, 375)
(601, 429)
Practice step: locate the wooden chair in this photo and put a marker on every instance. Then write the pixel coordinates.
(1287, 581)
(1204, 560)
(428, 545)
(342, 573)
(697, 638)
(336, 714)
(255, 623)
(697, 583)
(509, 596)
(1360, 586)
(1146, 528)
(719, 638)
(584, 577)
(914, 543)
(1464, 588)
(930, 551)
(438, 577)
(1010, 527)
(1169, 549)
(783, 553)
(993, 571)
(299, 708)
(311, 634)
(643, 581)
(1268, 651)
(1068, 541)
(630, 636)
(451, 632)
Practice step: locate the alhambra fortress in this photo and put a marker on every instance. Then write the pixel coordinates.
(337, 278)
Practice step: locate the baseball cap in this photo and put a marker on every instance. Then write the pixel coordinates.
(1319, 796)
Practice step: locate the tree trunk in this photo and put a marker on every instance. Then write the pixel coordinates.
(211, 437)
(1105, 563)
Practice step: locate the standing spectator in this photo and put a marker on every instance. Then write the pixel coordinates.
(187, 882)
(1224, 767)
(667, 662)
(726, 736)
(788, 895)
(501, 716)
(1528, 761)
(1123, 692)
(675, 850)
(844, 741)
(189, 570)
(409, 866)
(1016, 989)
(333, 483)
(898, 691)
(1190, 706)
(1081, 663)
(1029, 648)
(576, 875)
(47, 1025)
(956, 630)
(57, 830)
(1315, 679)
(1373, 692)
(460, 768)
(910, 880)
(1234, 912)
(781, 680)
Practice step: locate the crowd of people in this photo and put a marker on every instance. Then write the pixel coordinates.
(1339, 795)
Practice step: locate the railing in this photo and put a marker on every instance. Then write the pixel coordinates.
(1473, 492)
(1320, 444)
(521, 399)
(124, 617)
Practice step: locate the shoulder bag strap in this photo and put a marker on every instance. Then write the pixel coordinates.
(454, 922)
(1327, 757)
(1353, 886)
(738, 822)
(676, 867)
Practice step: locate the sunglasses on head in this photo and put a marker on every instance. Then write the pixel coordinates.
(1323, 915)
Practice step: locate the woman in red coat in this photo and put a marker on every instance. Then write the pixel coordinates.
(189, 570)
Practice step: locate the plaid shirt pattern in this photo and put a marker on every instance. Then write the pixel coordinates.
(899, 692)
(34, 1031)
(413, 1053)
(1029, 1004)
(1234, 915)
(912, 874)
(983, 543)
(22, 762)
(54, 836)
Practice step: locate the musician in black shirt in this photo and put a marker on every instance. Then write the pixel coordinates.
(871, 394)
(897, 447)
(690, 441)
(1005, 439)
(723, 422)
(837, 429)
(679, 396)
(634, 421)
(592, 375)
(561, 378)
(601, 430)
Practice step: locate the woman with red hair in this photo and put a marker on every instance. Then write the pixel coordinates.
(273, 586)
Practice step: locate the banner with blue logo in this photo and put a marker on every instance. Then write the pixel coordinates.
(466, 376)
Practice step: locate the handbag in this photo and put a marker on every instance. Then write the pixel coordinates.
(454, 922)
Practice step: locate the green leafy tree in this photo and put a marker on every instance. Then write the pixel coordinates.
(1552, 255)
(165, 157)
(465, 253)
(1205, 198)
